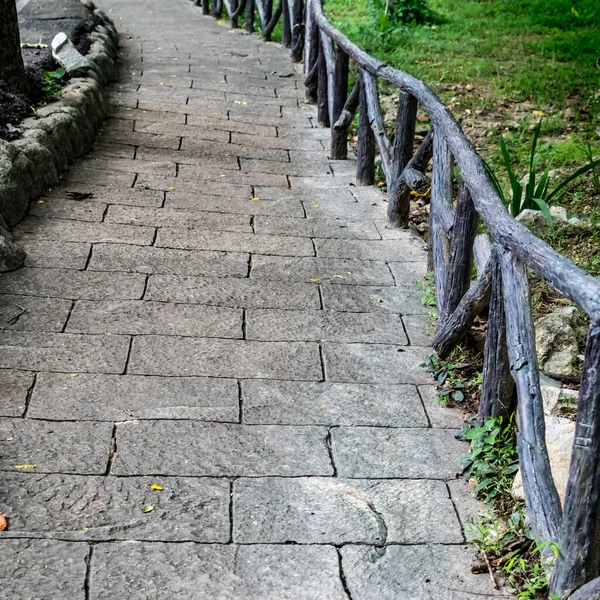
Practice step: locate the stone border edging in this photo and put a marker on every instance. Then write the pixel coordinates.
(60, 132)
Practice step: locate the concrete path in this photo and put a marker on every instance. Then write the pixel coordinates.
(210, 385)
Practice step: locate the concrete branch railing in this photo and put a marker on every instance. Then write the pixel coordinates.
(511, 370)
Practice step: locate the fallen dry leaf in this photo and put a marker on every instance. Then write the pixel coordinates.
(3, 523)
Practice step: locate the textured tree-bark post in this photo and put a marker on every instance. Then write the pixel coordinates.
(250, 16)
(404, 140)
(440, 204)
(12, 69)
(268, 30)
(217, 10)
(286, 26)
(541, 497)
(339, 137)
(206, 7)
(297, 29)
(311, 55)
(498, 390)
(365, 159)
(234, 10)
(322, 90)
(268, 13)
(461, 260)
(578, 559)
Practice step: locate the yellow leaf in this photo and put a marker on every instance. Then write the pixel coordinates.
(316, 206)
(338, 277)
(40, 202)
(157, 487)
(172, 188)
(315, 280)
(74, 374)
(255, 199)
(538, 113)
(25, 466)
(148, 508)
(320, 408)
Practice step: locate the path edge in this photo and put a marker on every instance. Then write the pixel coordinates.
(59, 133)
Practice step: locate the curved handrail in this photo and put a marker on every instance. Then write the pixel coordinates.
(559, 272)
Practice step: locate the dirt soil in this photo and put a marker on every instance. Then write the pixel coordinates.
(39, 22)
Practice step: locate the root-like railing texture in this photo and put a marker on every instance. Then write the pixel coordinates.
(502, 259)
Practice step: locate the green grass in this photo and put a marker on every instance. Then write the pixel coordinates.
(537, 51)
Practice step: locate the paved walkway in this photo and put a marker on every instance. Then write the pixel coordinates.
(210, 385)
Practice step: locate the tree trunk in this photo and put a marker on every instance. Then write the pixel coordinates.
(12, 69)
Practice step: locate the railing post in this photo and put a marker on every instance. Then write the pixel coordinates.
(217, 9)
(441, 194)
(250, 16)
(322, 95)
(286, 28)
(365, 159)
(205, 7)
(339, 137)
(498, 389)
(234, 19)
(404, 140)
(578, 559)
(297, 29)
(268, 12)
(541, 497)
(311, 55)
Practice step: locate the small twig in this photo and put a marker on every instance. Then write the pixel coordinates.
(490, 570)
(14, 319)
(482, 594)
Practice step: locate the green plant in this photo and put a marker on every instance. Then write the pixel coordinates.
(450, 386)
(54, 83)
(590, 156)
(428, 297)
(389, 14)
(493, 459)
(533, 195)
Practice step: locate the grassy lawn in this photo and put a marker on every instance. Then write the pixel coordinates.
(500, 66)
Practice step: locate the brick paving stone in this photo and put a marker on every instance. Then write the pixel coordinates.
(111, 195)
(372, 250)
(81, 231)
(101, 176)
(320, 270)
(14, 387)
(430, 572)
(200, 173)
(292, 325)
(420, 329)
(236, 293)
(35, 569)
(182, 219)
(165, 168)
(402, 453)
(145, 259)
(136, 317)
(193, 448)
(51, 447)
(37, 351)
(75, 507)
(65, 209)
(297, 403)
(148, 115)
(329, 510)
(55, 255)
(191, 146)
(388, 299)
(183, 356)
(234, 242)
(217, 135)
(292, 168)
(316, 228)
(375, 363)
(229, 125)
(138, 571)
(63, 283)
(30, 313)
(240, 205)
(140, 139)
(438, 414)
(61, 396)
(220, 160)
(215, 187)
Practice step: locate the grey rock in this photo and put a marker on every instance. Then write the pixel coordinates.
(50, 447)
(60, 396)
(221, 450)
(67, 55)
(76, 507)
(183, 356)
(320, 510)
(560, 339)
(43, 569)
(431, 572)
(184, 571)
(11, 256)
(535, 220)
(378, 452)
(300, 403)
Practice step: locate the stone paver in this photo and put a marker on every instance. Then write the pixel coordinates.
(209, 366)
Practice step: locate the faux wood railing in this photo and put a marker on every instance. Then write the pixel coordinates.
(502, 259)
